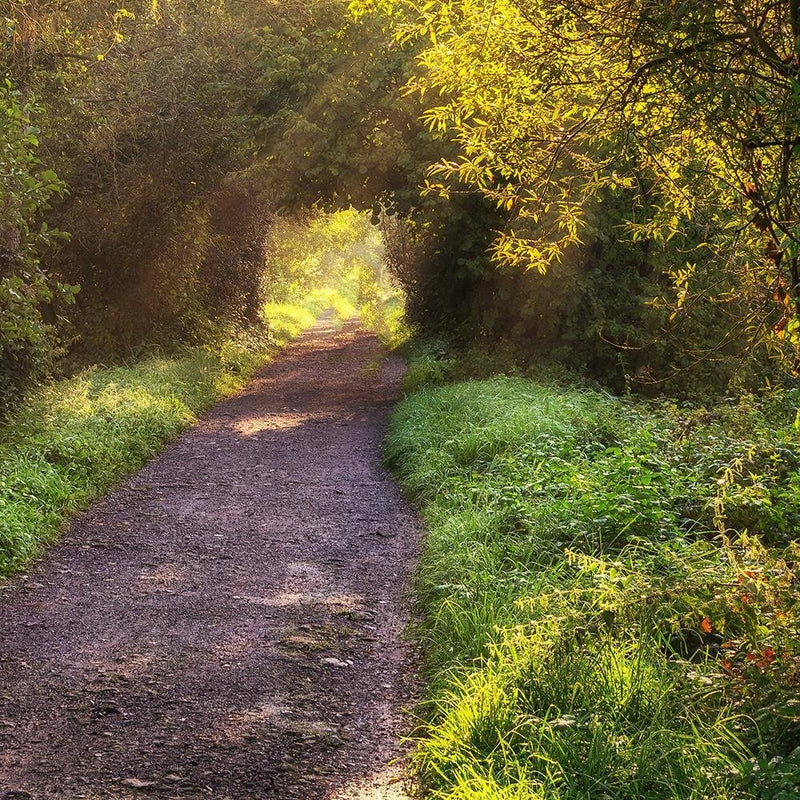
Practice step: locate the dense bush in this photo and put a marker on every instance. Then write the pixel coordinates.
(603, 310)
(26, 338)
(688, 109)
(165, 241)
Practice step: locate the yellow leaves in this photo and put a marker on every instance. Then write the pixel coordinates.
(507, 203)
(680, 279)
(438, 119)
(439, 189)
(122, 14)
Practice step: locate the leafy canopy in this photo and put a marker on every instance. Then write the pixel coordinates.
(691, 107)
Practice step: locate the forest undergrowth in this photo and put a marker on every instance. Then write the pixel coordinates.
(608, 592)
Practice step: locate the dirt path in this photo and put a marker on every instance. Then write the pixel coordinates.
(227, 623)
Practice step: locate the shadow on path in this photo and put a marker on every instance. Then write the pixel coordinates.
(228, 623)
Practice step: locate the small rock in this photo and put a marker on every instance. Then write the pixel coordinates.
(361, 616)
(335, 662)
(135, 783)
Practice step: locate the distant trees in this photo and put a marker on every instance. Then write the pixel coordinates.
(177, 129)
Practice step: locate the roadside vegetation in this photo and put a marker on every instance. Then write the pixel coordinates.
(608, 592)
(74, 439)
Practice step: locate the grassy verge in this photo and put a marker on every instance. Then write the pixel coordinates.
(289, 319)
(76, 438)
(608, 593)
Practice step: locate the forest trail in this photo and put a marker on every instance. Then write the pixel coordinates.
(228, 622)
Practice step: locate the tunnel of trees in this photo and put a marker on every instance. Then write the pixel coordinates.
(611, 186)
(577, 201)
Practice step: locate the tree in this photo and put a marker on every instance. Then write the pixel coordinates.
(691, 107)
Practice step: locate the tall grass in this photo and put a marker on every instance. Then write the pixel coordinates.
(596, 620)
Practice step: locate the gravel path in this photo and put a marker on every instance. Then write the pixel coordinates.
(228, 622)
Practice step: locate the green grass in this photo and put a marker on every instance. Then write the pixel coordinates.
(382, 310)
(571, 538)
(75, 439)
(287, 320)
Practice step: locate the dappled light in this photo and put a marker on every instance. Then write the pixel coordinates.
(271, 270)
(388, 784)
(251, 427)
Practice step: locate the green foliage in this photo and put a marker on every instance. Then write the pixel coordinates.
(689, 109)
(138, 114)
(27, 186)
(439, 256)
(168, 238)
(596, 620)
(26, 340)
(602, 310)
(287, 320)
(327, 115)
(332, 261)
(319, 250)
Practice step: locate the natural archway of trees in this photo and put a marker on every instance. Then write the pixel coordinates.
(577, 200)
(611, 185)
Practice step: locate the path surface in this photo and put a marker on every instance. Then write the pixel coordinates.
(228, 623)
